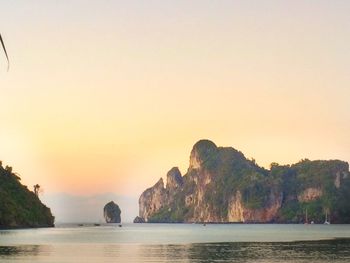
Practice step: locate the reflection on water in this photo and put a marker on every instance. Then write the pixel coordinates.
(288, 252)
(19, 250)
(324, 251)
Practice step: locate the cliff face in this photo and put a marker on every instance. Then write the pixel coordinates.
(20, 207)
(237, 212)
(152, 200)
(221, 185)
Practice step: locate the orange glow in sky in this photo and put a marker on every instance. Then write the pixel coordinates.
(107, 96)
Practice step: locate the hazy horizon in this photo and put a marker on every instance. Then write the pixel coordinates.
(69, 208)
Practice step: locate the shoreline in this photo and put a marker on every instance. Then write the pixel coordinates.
(238, 223)
(308, 241)
(25, 227)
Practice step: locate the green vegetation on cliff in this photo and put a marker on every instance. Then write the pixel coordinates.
(331, 178)
(221, 185)
(20, 207)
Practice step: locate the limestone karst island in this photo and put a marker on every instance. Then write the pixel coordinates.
(221, 185)
(111, 213)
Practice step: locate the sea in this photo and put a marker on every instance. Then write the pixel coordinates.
(248, 243)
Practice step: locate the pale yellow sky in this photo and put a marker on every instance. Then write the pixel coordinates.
(107, 96)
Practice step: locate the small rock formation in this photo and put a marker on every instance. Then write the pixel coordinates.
(221, 185)
(139, 220)
(111, 213)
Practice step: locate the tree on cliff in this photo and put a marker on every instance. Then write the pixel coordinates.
(37, 189)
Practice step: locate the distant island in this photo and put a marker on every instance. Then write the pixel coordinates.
(20, 207)
(111, 213)
(222, 186)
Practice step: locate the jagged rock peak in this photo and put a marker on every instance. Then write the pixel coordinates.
(174, 179)
(159, 184)
(201, 152)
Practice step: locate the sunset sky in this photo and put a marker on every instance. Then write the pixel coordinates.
(107, 96)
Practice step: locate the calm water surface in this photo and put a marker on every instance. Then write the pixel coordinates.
(178, 243)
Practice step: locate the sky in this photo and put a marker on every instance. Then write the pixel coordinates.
(106, 96)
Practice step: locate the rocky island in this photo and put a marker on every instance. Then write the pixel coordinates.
(20, 207)
(223, 186)
(111, 213)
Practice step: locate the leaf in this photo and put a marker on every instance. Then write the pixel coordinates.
(3, 46)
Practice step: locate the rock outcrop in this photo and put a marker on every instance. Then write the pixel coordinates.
(139, 220)
(111, 213)
(221, 185)
(20, 207)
